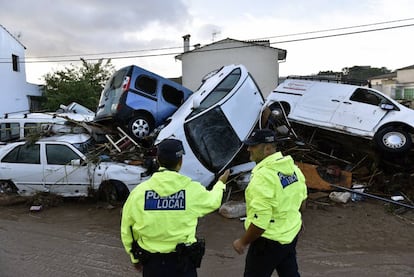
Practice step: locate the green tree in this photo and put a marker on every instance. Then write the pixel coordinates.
(82, 84)
(363, 72)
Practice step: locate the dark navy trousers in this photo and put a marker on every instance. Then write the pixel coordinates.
(160, 265)
(264, 256)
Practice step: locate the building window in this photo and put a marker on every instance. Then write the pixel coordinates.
(15, 60)
(398, 93)
(409, 93)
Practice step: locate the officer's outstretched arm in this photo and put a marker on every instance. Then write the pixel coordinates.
(224, 176)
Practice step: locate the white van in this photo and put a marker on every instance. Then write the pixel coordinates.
(343, 108)
(16, 126)
(20, 126)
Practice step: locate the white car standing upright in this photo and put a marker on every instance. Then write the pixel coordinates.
(58, 165)
(214, 121)
(343, 108)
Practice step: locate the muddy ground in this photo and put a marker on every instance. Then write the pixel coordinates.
(81, 238)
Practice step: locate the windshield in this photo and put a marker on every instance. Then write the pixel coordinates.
(85, 147)
(212, 139)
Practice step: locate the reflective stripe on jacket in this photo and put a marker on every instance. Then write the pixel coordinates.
(274, 196)
(164, 210)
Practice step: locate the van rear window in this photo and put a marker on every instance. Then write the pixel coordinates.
(117, 79)
(114, 85)
(31, 128)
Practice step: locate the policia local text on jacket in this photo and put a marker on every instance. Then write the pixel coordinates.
(273, 199)
(163, 212)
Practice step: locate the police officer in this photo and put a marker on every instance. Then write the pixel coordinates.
(162, 213)
(273, 198)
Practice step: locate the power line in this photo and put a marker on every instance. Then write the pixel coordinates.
(344, 34)
(112, 58)
(206, 50)
(337, 29)
(106, 53)
(178, 47)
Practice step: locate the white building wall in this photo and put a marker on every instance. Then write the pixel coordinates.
(388, 89)
(14, 89)
(260, 61)
(405, 76)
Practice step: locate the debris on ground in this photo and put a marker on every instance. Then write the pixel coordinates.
(43, 200)
(8, 200)
(340, 197)
(320, 177)
(233, 209)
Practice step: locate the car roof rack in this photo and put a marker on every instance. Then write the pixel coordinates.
(24, 113)
(330, 79)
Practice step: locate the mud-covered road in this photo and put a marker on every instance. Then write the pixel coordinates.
(82, 239)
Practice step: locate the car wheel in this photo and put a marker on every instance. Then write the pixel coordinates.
(113, 192)
(7, 187)
(277, 107)
(108, 192)
(393, 140)
(140, 126)
(278, 119)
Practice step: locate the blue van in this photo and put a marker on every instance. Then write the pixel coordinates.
(139, 100)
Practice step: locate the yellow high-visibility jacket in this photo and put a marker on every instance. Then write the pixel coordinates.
(274, 196)
(164, 210)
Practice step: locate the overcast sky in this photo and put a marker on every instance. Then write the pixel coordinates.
(56, 30)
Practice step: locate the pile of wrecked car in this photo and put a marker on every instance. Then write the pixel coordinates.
(212, 122)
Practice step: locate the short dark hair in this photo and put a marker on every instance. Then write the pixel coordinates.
(260, 136)
(169, 164)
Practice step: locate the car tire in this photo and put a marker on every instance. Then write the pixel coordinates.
(113, 192)
(393, 140)
(140, 126)
(7, 187)
(279, 105)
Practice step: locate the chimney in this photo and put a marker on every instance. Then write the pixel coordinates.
(186, 43)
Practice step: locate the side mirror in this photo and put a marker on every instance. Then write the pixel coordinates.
(387, 107)
(76, 162)
(196, 103)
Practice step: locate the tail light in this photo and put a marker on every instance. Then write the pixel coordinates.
(125, 83)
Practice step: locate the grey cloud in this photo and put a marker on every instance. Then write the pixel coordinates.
(206, 31)
(52, 27)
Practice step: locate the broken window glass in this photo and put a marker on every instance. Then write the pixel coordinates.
(213, 139)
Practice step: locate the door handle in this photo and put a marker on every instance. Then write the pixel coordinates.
(348, 103)
(335, 100)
